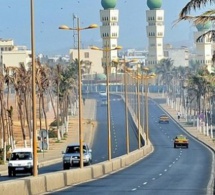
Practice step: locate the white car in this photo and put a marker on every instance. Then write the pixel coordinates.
(20, 161)
(102, 93)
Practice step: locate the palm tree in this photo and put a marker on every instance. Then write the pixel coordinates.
(207, 16)
(3, 126)
(8, 80)
(42, 80)
(163, 70)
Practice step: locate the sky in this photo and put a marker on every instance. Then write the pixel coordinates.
(50, 14)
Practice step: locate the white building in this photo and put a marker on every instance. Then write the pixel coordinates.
(93, 56)
(180, 56)
(12, 56)
(203, 46)
(109, 31)
(155, 32)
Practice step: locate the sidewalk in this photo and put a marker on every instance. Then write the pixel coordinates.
(54, 154)
(188, 127)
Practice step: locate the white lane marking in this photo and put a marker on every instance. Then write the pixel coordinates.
(145, 183)
(134, 189)
(160, 174)
(165, 170)
(153, 178)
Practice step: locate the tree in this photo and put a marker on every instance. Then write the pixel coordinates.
(207, 16)
(163, 70)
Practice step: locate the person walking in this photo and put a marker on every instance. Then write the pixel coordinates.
(179, 115)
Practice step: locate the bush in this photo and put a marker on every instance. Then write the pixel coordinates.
(54, 123)
(2, 153)
(52, 133)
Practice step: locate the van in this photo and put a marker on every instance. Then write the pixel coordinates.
(20, 161)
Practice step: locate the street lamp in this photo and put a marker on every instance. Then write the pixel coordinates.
(126, 69)
(35, 159)
(146, 77)
(78, 29)
(106, 50)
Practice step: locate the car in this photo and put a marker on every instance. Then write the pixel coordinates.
(102, 94)
(163, 119)
(181, 140)
(20, 161)
(103, 102)
(71, 156)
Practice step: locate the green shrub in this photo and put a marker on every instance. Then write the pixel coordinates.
(52, 133)
(54, 123)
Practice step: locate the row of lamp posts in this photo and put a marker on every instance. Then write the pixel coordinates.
(106, 50)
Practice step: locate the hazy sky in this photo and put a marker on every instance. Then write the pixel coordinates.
(50, 14)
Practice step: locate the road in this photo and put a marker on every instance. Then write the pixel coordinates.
(167, 171)
(100, 146)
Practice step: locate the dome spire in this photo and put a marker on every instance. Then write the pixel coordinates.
(108, 4)
(154, 4)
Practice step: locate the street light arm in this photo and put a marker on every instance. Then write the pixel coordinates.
(65, 27)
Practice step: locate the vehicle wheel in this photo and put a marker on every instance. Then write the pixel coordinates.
(31, 172)
(14, 173)
(174, 145)
(65, 167)
(9, 172)
(187, 146)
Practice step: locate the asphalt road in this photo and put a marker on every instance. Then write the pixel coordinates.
(100, 146)
(167, 171)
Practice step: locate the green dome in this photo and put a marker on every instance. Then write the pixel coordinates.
(203, 27)
(154, 4)
(108, 4)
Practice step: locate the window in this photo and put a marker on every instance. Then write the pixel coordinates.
(86, 55)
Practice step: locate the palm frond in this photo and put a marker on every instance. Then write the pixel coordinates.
(194, 4)
(209, 34)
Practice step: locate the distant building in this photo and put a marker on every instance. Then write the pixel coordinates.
(109, 31)
(89, 55)
(155, 31)
(12, 56)
(203, 46)
(180, 56)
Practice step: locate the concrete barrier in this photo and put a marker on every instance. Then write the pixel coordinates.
(54, 181)
(75, 176)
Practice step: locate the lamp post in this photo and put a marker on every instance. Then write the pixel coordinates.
(78, 29)
(106, 50)
(126, 69)
(35, 159)
(146, 77)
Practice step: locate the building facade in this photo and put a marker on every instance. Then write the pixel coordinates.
(12, 55)
(203, 46)
(109, 31)
(155, 32)
(88, 55)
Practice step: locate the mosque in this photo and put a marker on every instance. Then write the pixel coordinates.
(155, 28)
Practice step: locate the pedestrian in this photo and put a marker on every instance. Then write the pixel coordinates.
(179, 115)
(84, 100)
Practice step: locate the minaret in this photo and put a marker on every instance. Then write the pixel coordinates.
(155, 32)
(203, 46)
(109, 31)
